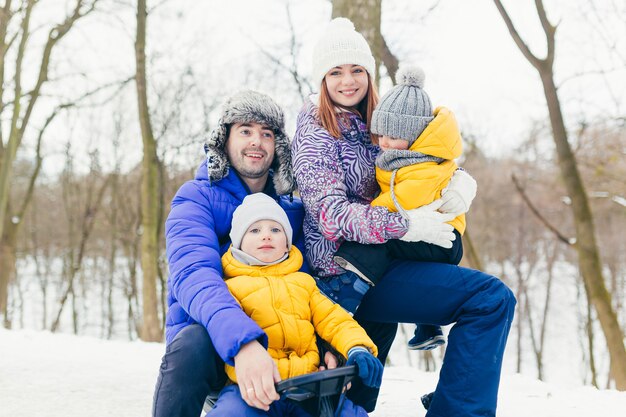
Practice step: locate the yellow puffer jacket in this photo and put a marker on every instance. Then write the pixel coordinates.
(420, 184)
(288, 306)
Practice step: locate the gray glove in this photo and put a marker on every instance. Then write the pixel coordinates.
(428, 225)
(457, 197)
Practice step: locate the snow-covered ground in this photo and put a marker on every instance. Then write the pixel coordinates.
(67, 376)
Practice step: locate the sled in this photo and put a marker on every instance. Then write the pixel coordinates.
(319, 393)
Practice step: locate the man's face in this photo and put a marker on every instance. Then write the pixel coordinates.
(250, 149)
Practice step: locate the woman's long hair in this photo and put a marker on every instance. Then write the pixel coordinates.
(331, 120)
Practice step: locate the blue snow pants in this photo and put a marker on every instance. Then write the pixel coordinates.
(190, 370)
(231, 404)
(480, 305)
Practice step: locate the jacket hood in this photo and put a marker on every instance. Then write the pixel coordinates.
(234, 268)
(308, 112)
(441, 138)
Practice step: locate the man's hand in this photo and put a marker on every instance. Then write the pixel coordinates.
(256, 375)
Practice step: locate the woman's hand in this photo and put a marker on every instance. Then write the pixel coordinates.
(457, 197)
(426, 224)
(256, 375)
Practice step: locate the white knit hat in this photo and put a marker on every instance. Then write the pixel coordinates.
(341, 44)
(257, 207)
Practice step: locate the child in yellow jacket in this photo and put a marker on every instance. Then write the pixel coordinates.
(261, 270)
(414, 168)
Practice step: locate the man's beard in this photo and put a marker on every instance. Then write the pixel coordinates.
(251, 172)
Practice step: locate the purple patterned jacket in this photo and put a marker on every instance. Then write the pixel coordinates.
(337, 182)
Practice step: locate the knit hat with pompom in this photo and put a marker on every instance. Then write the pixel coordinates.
(405, 110)
(341, 44)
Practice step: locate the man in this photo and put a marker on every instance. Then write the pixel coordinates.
(248, 152)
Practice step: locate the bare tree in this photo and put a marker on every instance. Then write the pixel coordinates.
(538, 340)
(586, 246)
(129, 218)
(22, 104)
(151, 206)
(81, 220)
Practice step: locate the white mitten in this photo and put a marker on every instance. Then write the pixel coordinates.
(457, 197)
(428, 225)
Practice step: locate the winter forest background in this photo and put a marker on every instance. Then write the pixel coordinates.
(104, 110)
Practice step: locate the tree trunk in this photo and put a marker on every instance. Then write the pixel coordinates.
(521, 312)
(590, 344)
(546, 309)
(586, 246)
(8, 257)
(471, 255)
(151, 328)
(15, 133)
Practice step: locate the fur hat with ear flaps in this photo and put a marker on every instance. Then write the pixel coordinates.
(245, 107)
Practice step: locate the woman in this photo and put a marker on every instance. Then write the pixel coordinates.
(334, 166)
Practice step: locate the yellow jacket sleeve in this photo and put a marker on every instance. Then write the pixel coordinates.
(333, 324)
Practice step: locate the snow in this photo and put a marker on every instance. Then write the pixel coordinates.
(62, 375)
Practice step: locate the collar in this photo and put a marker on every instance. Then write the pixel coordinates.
(247, 259)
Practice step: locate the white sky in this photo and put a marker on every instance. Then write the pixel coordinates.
(471, 63)
(470, 60)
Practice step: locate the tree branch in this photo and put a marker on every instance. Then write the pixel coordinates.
(548, 29)
(291, 69)
(390, 60)
(33, 178)
(54, 36)
(536, 62)
(534, 210)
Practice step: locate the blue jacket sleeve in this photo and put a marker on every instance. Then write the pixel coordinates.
(196, 272)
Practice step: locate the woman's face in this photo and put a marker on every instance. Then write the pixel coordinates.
(347, 84)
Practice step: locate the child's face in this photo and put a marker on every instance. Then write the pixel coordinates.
(347, 84)
(265, 240)
(387, 142)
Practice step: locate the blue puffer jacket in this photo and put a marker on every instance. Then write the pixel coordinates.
(196, 233)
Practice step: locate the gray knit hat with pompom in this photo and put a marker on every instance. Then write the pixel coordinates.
(405, 110)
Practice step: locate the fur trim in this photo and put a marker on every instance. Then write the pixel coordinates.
(251, 106)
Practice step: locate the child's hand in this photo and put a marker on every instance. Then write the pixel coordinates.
(331, 363)
(369, 367)
(330, 360)
(457, 197)
(427, 224)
